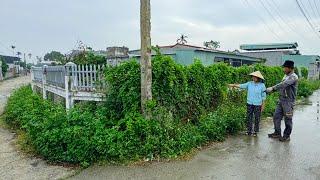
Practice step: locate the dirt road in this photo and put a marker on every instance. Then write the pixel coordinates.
(14, 164)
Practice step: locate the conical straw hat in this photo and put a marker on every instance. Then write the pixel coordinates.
(257, 74)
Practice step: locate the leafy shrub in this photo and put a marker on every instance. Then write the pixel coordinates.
(304, 72)
(191, 105)
(306, 87)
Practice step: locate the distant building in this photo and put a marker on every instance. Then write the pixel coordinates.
(11, 60)
(272, 53)
(116, 55)
(276, 53)
(14, 65)
(186, 54)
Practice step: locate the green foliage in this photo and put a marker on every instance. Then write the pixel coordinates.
(88, 57)
(54, 56)
(4, 67)
(304, 72)
(191, 105)
(306, 87)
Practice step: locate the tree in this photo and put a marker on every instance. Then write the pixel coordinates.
(145, 60)
(182, 39)
(212, 44)
(87, 57)
(54, 56)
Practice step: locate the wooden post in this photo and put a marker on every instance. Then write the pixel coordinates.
(145, 60)
(44, 81)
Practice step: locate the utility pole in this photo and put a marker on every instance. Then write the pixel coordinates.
(145, 60)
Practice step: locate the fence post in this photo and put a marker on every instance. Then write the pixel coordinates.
(32, 78)
(68, 84)
(44, 81)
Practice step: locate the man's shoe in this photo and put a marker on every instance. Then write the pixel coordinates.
(274, 135)
(284, 139)
(248, 133)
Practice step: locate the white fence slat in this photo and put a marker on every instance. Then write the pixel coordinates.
(79, 77)
(91, 78)
(83, 77)
(87, 78)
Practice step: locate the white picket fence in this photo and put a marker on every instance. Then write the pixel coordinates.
(71, 81)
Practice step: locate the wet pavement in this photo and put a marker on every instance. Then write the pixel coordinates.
(240, 157)
(14, 164)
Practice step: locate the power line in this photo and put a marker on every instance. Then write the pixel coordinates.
(313, 11)
(277, 10)
(306, 11)
(316, 7)
(260, 17)
(269, 12)
(307, 19)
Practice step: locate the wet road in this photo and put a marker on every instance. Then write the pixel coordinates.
(240, 157)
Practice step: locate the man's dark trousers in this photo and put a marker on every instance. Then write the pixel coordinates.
(284, 109)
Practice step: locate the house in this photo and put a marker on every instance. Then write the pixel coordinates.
(272, 52)
(186, 54)
(14, 65)
(276, 53)
(11, 60)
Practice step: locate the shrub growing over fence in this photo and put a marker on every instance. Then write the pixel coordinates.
(191, 106)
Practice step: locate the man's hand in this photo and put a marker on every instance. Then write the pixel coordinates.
(269, 89)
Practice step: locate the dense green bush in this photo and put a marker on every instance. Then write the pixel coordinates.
(186, 91)
(85, 135)
(191, 105)
(306, 87)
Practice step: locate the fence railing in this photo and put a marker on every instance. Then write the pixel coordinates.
(82, 77)
(87, 78)
(74, 82)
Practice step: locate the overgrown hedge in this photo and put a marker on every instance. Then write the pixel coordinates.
(191, 106)
(186, 91)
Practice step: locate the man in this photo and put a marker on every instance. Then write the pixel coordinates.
(288, 91)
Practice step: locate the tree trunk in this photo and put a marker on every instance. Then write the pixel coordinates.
(145, 60)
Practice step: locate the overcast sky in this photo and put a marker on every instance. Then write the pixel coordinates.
(39, 26)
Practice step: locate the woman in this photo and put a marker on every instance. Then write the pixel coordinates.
(256, 97)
